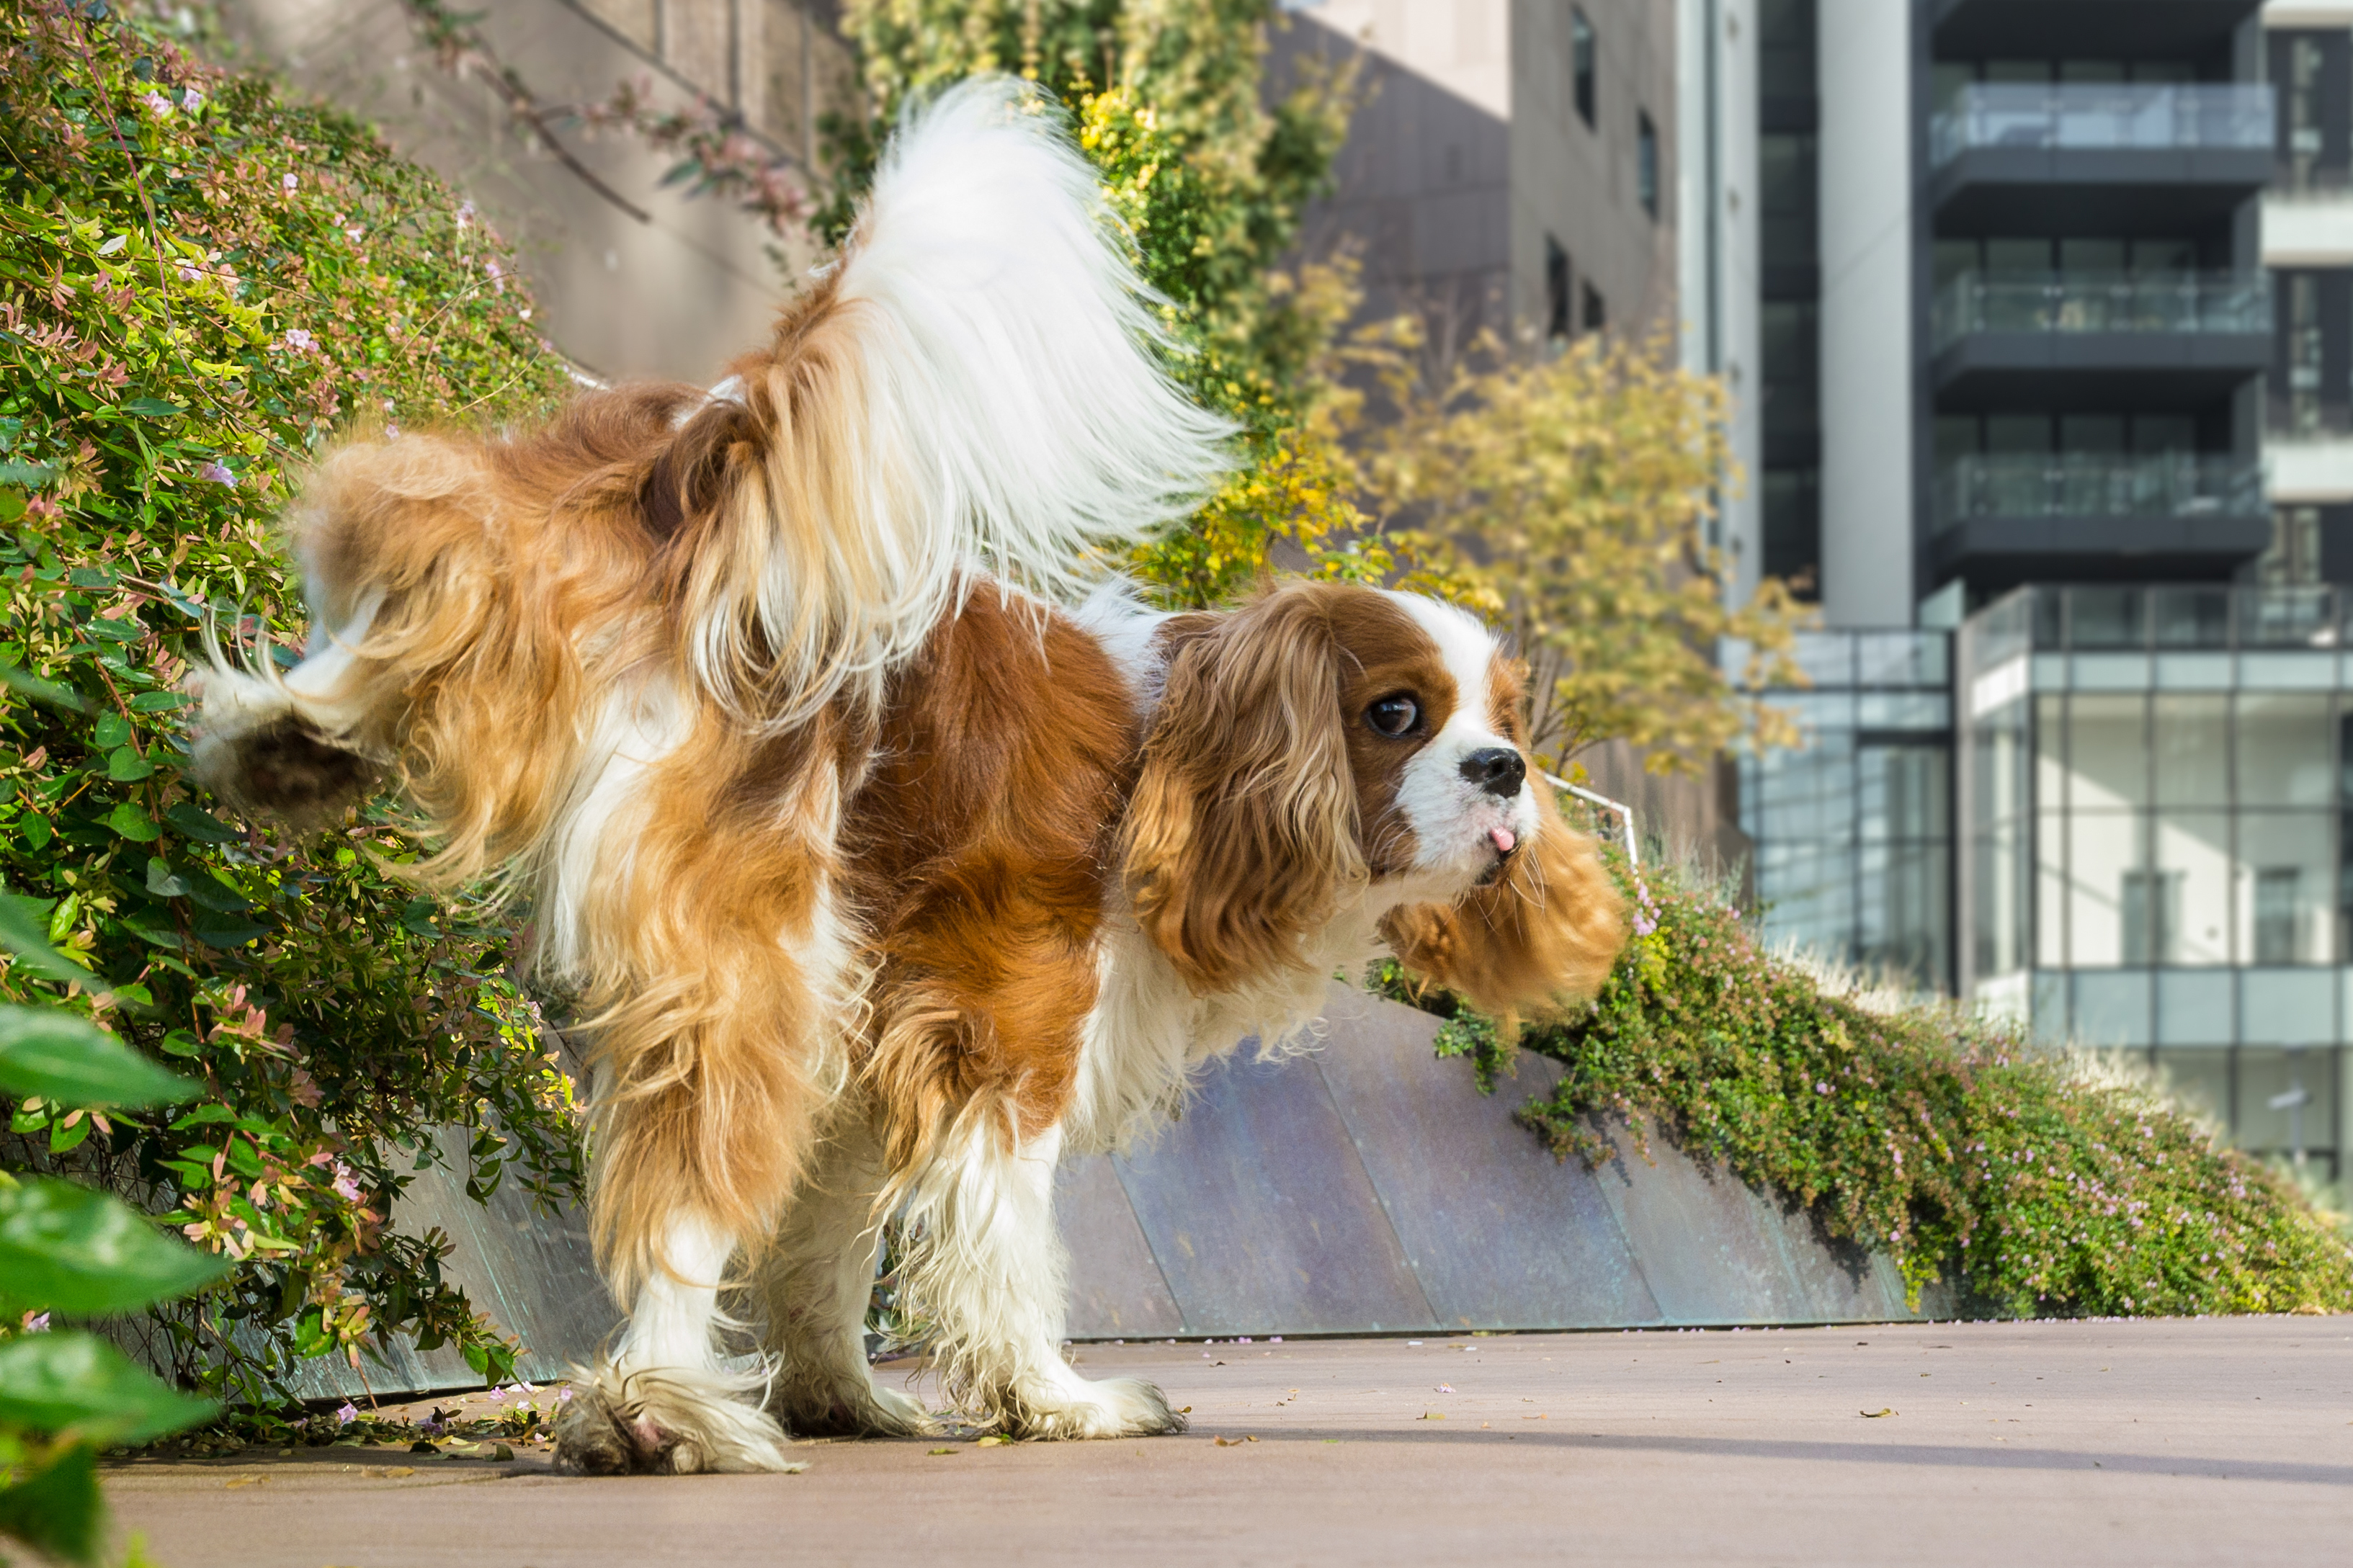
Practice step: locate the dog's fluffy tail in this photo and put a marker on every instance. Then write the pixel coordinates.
(976, 382)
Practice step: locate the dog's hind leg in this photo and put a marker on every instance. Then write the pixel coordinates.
(816, 1287)
(664, 1405)
(990, 1266)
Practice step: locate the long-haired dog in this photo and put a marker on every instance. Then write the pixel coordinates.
(886, 865)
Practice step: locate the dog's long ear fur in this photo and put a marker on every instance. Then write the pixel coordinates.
(1242, 831)
(1540, 937)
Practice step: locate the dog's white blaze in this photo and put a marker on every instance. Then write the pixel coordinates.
(1450, 815)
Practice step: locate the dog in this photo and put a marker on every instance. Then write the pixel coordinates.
(888, 857)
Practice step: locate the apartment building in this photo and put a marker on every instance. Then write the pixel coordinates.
(2056, 419)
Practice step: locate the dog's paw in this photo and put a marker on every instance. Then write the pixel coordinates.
(850, 1408)
(664, 1422)
(1073, 1407)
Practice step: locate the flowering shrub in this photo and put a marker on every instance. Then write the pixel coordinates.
(197, 282)
(1943, 1138)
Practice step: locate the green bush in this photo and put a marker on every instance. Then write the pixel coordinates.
(2040, 1184)
(197, 282)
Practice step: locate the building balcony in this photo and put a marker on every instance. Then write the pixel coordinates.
(2092, 339)
(2085, 29)
(2008, 518)
(2087, 156)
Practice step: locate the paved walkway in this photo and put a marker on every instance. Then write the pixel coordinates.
(2212, 1441)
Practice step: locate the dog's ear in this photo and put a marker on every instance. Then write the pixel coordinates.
(1536, 939)
(1243, 830)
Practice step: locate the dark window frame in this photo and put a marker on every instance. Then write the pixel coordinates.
(1584, 68)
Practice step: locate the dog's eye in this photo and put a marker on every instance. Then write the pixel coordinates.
(1394, 715)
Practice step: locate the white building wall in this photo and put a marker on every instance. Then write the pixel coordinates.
(1718, 284)
(1867, 352)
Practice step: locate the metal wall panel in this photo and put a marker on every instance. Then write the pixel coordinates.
(1499, 1233)
(1261, 1216)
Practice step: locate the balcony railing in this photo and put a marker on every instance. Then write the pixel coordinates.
(2104, 116)
(2102, 302)
(2086, 484)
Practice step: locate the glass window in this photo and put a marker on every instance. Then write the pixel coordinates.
(2285, 913)
(2193, 889)
(2112, 1008)
(1646, 162)
(1559, 322)
(2285, 1007)
(2107, 750)
(2287, 1102)
(2000, 911)
(1902, 918)
(2196, 1007)
(2106, 619)
(2051, 891)
(2284, 749)
(2193, 749)
(2193, 617)
(2200, 1080)
(1582, 65)
(2118, 909)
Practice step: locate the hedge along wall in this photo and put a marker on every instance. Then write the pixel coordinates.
(198, 283)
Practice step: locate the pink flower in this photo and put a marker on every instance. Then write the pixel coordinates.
(299, 339)
(291, 183)
(37, 1323)
(347, 1413)
(218, 474)
(191, 99)
(158, 102)
(346, 1187)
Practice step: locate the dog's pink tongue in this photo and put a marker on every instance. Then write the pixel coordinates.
(1503, 839)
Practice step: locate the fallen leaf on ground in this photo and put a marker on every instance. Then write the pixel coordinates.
(992, 1441)
(1234, 1442)
(245, 1481)
(1874, 1414)
(389, 1472)
(1433, 1415)
(937, 1452)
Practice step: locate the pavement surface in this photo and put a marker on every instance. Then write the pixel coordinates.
(2225, 1440)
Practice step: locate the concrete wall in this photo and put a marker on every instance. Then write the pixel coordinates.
(1867, 352)
(678, 294)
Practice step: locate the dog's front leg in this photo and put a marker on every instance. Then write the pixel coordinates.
(988, 1264)
(664, 1405)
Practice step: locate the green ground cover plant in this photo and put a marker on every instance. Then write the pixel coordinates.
(198, 282)
(2039, 1182)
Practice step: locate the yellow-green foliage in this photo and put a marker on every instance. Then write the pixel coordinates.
(1944, 1139)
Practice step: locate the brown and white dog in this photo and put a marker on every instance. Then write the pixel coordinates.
(888, 869)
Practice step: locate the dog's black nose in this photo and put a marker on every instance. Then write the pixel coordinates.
(1498, 770)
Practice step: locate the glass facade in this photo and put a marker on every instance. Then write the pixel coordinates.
(2155, 806)
(1854, 827)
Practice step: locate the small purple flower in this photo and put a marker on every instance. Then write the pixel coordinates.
(347, 1413)
(157, 102)
(218, 473)
(564, 1395)
(465, 215)
(37, 1323)
(1821, 1089)
(191, 99)
(299, 339)
(291, 183)
(346, 1187)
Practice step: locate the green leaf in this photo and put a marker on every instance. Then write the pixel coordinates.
(79, 1385)
(127, 766)
(158, 701)
(58, 1510)
(32, 475)
(132, 823)
(227, 934)
(163, 881)
(66, 1249)
(23, 931)
(112, 731)
(150, 407)
(194, 822)
(18, 678)
(50, 1052)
